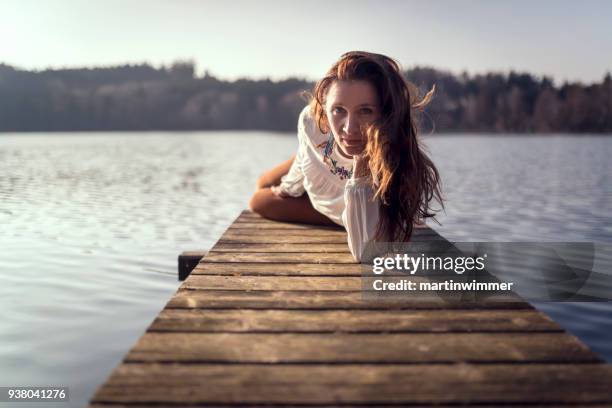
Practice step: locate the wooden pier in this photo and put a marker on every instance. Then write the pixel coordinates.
(274, 315)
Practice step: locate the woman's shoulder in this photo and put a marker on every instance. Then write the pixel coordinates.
(308, 128)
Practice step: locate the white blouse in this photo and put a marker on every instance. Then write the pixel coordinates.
(331, 187)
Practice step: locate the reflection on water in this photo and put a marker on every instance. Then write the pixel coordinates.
(91, 225)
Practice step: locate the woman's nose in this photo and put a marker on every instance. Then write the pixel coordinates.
(351, 126)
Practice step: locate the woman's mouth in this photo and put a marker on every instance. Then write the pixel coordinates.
(352, 142)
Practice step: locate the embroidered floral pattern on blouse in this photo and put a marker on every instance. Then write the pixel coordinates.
(328, 148)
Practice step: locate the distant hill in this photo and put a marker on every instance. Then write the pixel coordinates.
(141, 97)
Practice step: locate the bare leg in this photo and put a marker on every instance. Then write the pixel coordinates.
(288, 209)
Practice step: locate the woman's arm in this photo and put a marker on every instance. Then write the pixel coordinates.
(292, 183)
(361, 213)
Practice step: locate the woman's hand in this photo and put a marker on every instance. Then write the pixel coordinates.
(361, 165)
(279, 192)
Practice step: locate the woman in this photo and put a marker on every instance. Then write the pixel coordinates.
(359, 163)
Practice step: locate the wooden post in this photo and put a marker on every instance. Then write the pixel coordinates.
(187, 261)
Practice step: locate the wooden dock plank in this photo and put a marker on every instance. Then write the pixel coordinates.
(325, 384)
(282, 247)
(290, 269)
(272, 257)
(224, 299)
(140, 374)
(285, 283)
(281, 226)
(314, 283)
(359, 321)
(364, 348)
(255, 237)
(311, 232)
(275, 315)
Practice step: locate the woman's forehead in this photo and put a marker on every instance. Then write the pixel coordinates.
(356, 92)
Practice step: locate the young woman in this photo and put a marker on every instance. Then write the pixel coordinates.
(359, 162)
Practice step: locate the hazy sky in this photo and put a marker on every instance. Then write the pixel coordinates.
(563, 39)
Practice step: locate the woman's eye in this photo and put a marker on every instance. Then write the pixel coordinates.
(337, 110)
(366, 111)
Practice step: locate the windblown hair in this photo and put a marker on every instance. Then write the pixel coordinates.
(403, 176)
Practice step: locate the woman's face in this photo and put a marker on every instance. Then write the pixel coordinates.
(350, 106)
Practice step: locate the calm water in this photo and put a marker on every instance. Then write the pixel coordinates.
(91, 225)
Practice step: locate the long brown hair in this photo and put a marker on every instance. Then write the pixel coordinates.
(403, 176)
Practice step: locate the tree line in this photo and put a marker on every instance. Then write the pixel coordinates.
(142, 97)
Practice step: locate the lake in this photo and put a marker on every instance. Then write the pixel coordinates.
(91, 225)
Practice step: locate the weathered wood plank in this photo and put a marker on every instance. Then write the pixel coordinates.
(277, 299)
(281, 247)
(248, 237)
(410, 374)
(327, 283)
(259, 269)
(272, 257)
(462, 383)
(288, 227)
(325, 394)
(291, 269)
(299, 232)
(286, 283)
(361, 321)
(359, 348)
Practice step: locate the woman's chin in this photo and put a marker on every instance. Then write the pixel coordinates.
(352, 150)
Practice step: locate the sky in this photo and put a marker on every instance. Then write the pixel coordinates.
(565, 40)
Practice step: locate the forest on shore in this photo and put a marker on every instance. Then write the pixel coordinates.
(142, 97)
